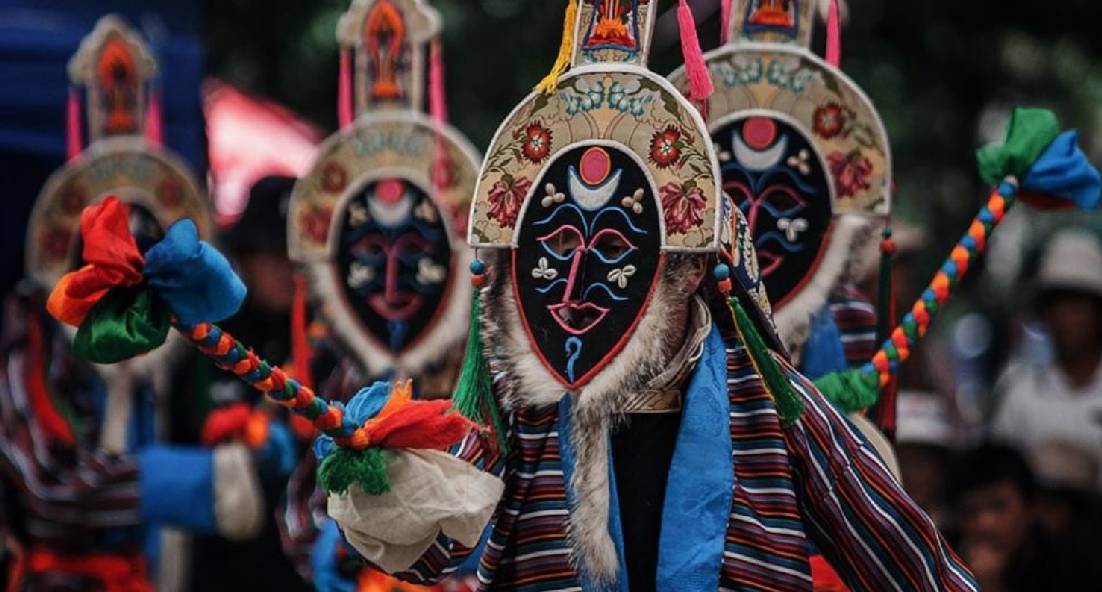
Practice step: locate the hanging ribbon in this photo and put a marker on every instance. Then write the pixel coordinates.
(345, 114)
(1050, 166)
(73, 141)
(725, 21)
(834, 35)
(154, 119)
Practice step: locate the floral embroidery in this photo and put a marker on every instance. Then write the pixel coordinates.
(72, 201)
(552, 196)
(851, 172)
(442, 173)
(683, 206)
(792, 227)
(506, 197)
(334, 178)
(536, 142)
(55, 242)
(315, 223)
(665, 147)
(634, 202)
(830, 120)
(170, 194)
(621, 275)
(542, 271)
(800, 162)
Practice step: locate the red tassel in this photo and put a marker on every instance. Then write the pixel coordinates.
(73, 141)
(52, 422)
(154, 124)
(834, 35)
(700, 81)
(422, 425)
(725, 21)
(301, 352)
(438, 105)
(344, 90)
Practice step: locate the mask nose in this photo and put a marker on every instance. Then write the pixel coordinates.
(575, 281)
(392, 269)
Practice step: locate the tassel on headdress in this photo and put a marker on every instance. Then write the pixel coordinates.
(789, 404)
(474, 395)
(73, 142)
(566, 48)
(344, 90)
(696, 70)
(154, 119)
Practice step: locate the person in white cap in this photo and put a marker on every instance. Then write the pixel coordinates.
(1061, 399)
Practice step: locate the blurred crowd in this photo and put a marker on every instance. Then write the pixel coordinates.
(1019, 494)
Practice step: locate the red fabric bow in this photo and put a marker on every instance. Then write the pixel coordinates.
(422, 425)
(111, 259)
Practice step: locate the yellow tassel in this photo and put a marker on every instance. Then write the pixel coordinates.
(566, 49)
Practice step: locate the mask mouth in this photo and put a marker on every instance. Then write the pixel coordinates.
(577, 318)
(768, 262)
(399, 307)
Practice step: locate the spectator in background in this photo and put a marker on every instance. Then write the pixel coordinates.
(924, 440)
(1067, 503)
(1001, 540)
(1060, 399)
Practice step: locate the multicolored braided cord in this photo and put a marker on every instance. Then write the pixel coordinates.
(1053, 173)
(231, 355)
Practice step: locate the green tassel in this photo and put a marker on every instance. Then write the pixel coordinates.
(788, 401)
(366, 468)
(850, 390)
(474, 395)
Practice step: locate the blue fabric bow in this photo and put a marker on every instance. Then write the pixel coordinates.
(1064, 173)
(193, 278)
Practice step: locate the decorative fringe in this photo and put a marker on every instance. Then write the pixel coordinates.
(474, 395)
(345, 114)
(788, 401)
(566, 49)
(834, 35)
(154, 120)
(73, 141)
(366, 468)
(725, 21)
(696, 70)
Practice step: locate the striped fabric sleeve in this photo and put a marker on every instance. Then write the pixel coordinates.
(64, 496)
(858, 514)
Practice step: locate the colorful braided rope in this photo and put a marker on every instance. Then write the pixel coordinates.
(897, 347)
(230, 355)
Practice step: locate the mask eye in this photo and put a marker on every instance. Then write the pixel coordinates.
(611, 246)
(562, 243)
(783, 201)
(371, 246)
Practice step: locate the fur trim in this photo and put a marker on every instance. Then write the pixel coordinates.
(524, 382)
(848, 233)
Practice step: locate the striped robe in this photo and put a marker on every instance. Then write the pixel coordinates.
(855, 318)
(816, 478)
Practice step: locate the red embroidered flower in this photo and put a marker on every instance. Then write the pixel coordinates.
(442, 173)
(170, 193)
(829, 120)
(536, 143)
(851, 172)
(55, 242)
(506, 197)
(334, 178)
(683, 206)
(72, 201)
(665, 147)
(315, 223)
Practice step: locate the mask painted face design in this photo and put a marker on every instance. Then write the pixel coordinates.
(587, 260)
(395, 259)
(775, 177)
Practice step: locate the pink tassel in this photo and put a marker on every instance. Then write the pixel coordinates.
(834, 35)
(438, 105)
(73, 142)
(700, 81)
(725, 22)
(344, 90)
(154, 128)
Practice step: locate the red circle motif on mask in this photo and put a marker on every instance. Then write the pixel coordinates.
(759, 132)
(595, 165)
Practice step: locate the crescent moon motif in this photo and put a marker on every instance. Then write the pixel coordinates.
(391, 215)
(758, 160)
(592, 198)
